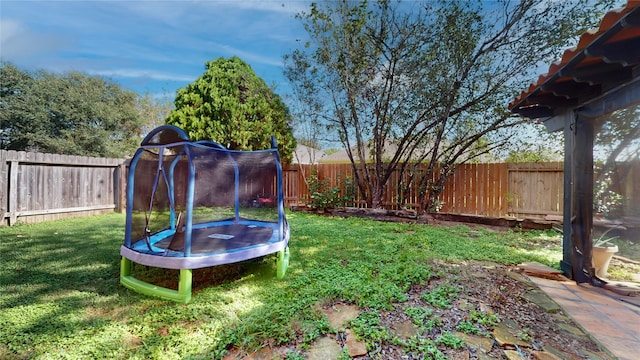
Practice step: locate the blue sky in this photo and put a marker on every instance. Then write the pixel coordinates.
(151, 47)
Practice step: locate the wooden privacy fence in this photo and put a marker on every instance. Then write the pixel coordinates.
(518, 190)
(36, 187)
(490, 189)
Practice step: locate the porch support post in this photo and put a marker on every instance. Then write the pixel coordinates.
(582, 218)
(567, 204)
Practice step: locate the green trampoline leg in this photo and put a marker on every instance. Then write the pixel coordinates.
(184, 286)
(182, 295)
(282, 262)
(125, 267)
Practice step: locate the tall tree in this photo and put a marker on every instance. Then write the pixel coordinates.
(231, 105)
(154, 111)
(72, 114)
(406, 84)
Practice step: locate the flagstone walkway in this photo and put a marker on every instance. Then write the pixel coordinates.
(610, 319)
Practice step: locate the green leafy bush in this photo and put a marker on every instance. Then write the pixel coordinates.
(322, 195)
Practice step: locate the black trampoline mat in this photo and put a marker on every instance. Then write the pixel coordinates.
(224, 238)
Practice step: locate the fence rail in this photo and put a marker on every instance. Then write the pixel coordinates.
(36, 187)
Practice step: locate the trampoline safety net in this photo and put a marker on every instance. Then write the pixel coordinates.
(197, 204)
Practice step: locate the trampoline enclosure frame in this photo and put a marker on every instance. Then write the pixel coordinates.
(132, 251)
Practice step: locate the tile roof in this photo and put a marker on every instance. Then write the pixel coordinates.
(603, 59)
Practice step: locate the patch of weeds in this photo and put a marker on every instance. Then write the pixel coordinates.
(449, 339)
(619, 274)
(405, 273)
(294, 355)
(622, 271)
(344, 355)
(433, 323)
(379, 295)
(525, 334)
(421, 348)
(441, 297)
(468, 328)
(313, 329)
(423, 317)
(488, 319)
(478, 319)
(419, 314)
(368, 326)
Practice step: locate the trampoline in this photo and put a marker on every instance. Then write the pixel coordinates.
(197, 204)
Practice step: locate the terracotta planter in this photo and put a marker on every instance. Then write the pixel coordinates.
(601, 257)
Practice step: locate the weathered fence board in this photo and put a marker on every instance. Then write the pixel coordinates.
(37, 187)
(535, 188)
(476, 189)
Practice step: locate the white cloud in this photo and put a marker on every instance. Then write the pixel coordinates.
(18, 43)
(145, 74)
(9, 28)
(250, 57)
(149, 44)
(284, 6)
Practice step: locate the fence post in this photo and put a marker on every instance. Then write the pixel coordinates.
(120, 184)
(4, 181)
(13, 192)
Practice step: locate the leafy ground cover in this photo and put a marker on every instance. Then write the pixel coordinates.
(60, 295)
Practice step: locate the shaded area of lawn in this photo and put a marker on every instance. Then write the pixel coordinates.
(60, 291)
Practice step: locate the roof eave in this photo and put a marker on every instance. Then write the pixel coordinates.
(602, 60)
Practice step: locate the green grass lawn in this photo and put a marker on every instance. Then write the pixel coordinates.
(60, 295)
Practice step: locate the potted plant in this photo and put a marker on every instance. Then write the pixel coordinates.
(602, 253)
